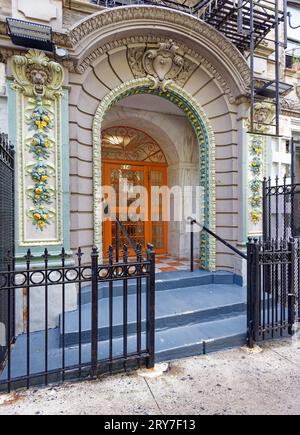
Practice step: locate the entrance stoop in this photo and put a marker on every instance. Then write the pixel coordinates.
(195, 313)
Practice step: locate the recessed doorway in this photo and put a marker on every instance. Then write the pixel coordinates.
(132, 156)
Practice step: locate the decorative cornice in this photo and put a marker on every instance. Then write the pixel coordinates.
(186, 24)
(290, 107)
(8, 53)
(3, 28)
(154, 14)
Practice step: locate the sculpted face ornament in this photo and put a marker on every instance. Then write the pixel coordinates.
(39, 78)
(263, 117)
(36, 75)
(163, 64)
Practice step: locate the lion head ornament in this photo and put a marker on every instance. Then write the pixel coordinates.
(36, 75)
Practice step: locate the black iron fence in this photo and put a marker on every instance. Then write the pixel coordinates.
(273, 288)
(111, 326)
(281, 209)
(6, 234)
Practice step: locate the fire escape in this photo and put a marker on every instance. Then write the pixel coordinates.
(247, 24)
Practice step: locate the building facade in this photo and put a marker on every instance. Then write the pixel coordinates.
(150, 94)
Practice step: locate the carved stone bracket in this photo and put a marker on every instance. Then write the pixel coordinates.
(263, 117)
(35, 75)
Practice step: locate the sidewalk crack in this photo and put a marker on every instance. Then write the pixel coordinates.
(154, 398)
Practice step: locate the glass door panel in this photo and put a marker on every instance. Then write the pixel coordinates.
(140, 230)
(123, 178)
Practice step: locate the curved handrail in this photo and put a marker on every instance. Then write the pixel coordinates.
(211, 233)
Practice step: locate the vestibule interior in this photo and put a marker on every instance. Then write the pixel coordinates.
(169, 128)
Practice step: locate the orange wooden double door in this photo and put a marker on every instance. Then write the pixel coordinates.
(140, 228)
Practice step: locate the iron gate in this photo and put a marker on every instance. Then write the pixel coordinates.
(112, 329)
(6, 239)
(281, 209)
(273, 288)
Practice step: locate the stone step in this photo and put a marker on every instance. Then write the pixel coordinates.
(174, 343)
(167, 281)
(174, 308)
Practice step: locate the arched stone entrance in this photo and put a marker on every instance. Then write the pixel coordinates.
(208, 79)
(206, 143)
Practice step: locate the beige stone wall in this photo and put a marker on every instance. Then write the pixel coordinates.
(3, 101)
(5, 7)
(71, 17)
(87, 91)
(49, 12)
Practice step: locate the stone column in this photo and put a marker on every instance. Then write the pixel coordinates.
(42, 202)
(38, 85)
(257, 158)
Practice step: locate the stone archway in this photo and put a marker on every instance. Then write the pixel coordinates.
(206, 141)
(206, 66)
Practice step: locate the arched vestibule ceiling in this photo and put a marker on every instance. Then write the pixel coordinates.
(110, 29)
(118, 116)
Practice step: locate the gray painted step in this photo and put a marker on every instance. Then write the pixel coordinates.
(174, 308)
(168, 281)
(172, 343)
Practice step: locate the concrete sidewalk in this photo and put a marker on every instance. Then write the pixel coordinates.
(230, 382)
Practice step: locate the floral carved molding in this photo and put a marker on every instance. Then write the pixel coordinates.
(263, 117)
(38, 85)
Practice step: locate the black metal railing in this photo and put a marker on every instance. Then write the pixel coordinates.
(7, 236)
(281, 209)
(6, 199)
(273, 288)
(111, 327)
(211, 233)
(165, 3)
